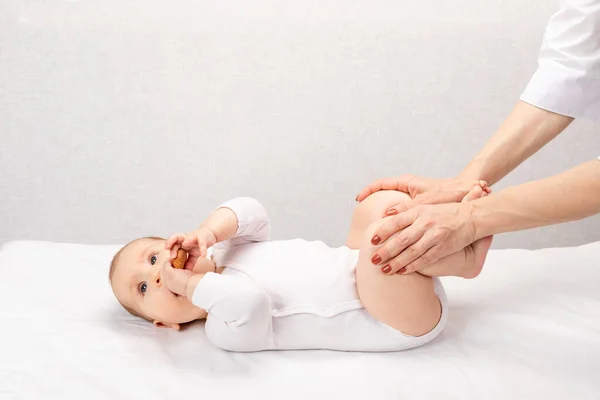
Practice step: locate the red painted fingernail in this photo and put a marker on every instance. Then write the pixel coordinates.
(391, 212)
(386, 269)
(375, 240)
(376, 259)
(402, 270)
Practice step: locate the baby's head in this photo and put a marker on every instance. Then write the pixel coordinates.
(135, 280)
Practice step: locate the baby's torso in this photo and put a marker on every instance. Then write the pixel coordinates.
(314, 299)
(299, 276)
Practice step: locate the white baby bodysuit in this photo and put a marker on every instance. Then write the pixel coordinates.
(290, 294)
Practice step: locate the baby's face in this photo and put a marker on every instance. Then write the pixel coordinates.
(136, 283)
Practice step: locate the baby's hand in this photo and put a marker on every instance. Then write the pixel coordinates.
(176, 280)
(195, 243)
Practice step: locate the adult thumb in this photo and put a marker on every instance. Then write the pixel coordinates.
(436, 197)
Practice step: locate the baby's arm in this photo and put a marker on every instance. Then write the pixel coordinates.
(247, 221)
(239, 310)
(236, 306)
(237, 221)
(240, 220)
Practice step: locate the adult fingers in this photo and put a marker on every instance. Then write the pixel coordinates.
(429, 257)
(419, 250)
(399, 183)
(396, 245)
(441, 197)
(399, 208)
(433, 197)
(392, 225)
(424, 198)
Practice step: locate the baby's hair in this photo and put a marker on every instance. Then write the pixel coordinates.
(113, 267)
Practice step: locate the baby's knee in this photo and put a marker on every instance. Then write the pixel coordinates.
(377, 204)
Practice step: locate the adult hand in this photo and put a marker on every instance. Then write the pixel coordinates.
(421, 190)
(422, 235)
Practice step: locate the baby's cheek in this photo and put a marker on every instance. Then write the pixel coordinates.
(161, 305)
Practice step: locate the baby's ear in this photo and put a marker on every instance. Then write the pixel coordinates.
(163, 325)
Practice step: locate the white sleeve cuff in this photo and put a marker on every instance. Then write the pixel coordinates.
(564, 91)
(253, 220)
(205, 293)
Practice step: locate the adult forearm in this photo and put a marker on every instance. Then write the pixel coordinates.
(526, 130)
(570, 196)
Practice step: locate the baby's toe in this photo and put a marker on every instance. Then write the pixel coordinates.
(475, 193)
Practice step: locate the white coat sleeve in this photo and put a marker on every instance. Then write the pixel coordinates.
(567, 80)
(239, 312)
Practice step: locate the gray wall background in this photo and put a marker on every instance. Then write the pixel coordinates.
(123, 118)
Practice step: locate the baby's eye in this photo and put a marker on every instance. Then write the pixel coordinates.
(143, 287)
(153, 259)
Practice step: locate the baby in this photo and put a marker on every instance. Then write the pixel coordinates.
(257, 294)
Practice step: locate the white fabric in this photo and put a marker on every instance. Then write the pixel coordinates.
(527, 328)
(290, 294)
(567, 81)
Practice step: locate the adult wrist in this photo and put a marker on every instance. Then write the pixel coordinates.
(480, 214)
(464, 182)
(473, 172)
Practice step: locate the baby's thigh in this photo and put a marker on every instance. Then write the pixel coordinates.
(372, 209)
(407, 303)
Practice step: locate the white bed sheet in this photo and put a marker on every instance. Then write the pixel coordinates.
(528, 328)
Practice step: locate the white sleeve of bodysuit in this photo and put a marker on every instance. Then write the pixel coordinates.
(239, 311)
(253, 221)
(567, 80)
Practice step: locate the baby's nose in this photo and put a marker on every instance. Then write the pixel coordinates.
(157, 278)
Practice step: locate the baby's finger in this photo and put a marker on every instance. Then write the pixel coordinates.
(166, 271)
(190, 263)
(190, 240)
(175, 238)
(203, 250)
(174, 251)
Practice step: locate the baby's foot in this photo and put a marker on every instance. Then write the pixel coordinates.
(475, 255)
(476, 252)
(479, 189)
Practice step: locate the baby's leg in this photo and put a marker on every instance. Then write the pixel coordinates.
(407, 303)
(468, 262)
(370, 210)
